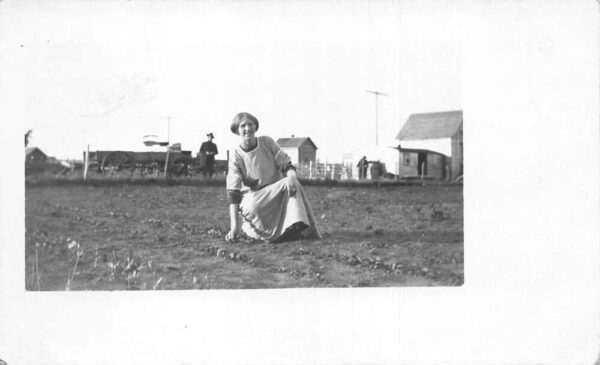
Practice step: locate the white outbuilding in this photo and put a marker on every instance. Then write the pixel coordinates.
(431, 144)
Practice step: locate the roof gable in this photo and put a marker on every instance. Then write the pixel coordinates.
(295, 142)
(431, 125)
(30, 150)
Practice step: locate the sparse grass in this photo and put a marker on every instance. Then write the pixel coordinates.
(116, 181)
(171, 237)
(99, 180)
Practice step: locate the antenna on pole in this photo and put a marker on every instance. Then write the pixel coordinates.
(376, 93)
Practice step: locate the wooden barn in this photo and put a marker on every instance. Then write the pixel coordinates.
(35, 159)
(431, 144)
(302, 150)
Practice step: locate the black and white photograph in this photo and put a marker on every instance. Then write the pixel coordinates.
(291, 182)
(244, 158)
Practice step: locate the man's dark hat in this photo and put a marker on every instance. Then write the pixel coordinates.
(210, 135)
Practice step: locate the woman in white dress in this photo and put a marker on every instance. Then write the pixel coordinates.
(266, 200)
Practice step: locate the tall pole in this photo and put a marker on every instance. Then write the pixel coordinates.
(168, 128)
(167, 158)
(376, 93)
(86, 163)
(376, 122)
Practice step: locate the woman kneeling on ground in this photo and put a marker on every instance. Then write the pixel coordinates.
(266, 199)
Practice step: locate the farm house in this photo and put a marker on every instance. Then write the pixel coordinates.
(431, 144)
(302, 150)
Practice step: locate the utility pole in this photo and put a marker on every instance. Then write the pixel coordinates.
(168, 128)
(376, 93)
(167, 159)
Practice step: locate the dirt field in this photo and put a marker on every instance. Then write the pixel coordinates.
(117, 237)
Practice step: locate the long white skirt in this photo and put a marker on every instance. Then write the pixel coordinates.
(268, 212)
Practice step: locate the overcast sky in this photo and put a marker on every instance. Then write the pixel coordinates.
(108, 73)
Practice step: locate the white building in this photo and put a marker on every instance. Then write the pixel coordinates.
(435, 134)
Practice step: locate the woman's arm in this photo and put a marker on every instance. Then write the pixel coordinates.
(284, 163)
(282, 160)
(234, 183)
(234, 217)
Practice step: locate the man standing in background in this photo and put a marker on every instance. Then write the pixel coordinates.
(208, 150)
(363, 165)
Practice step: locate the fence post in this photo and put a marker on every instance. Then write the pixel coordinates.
(310, 170)
(86, 162)
(332, 171)
(167, 163)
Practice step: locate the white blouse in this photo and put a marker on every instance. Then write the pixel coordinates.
(255, 169)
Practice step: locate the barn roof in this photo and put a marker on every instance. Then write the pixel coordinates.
(418, 150)
(431, 125)
(30, 150)
(294, 142)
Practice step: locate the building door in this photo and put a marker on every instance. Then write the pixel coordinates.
(422, 163)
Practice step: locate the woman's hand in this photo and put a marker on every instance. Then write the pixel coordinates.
(291, 182)
(233, 235)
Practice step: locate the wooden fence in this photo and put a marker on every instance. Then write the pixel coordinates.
(325, 171)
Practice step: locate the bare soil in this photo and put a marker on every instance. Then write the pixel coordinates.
(122, 236)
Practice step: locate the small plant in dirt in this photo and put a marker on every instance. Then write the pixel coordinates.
(205, 281)
(152, 269)
(75, 247)
(115, 266)
(36, 266)
(96, 255)
(155, 287)
(132, 269)
(215, 232)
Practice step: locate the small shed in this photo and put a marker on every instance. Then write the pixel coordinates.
(438, 139)
(302, 150)
(35, 160)
(34, 156)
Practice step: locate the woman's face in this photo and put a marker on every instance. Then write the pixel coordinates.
(247, 129)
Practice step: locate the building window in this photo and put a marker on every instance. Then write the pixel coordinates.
(406, 159)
